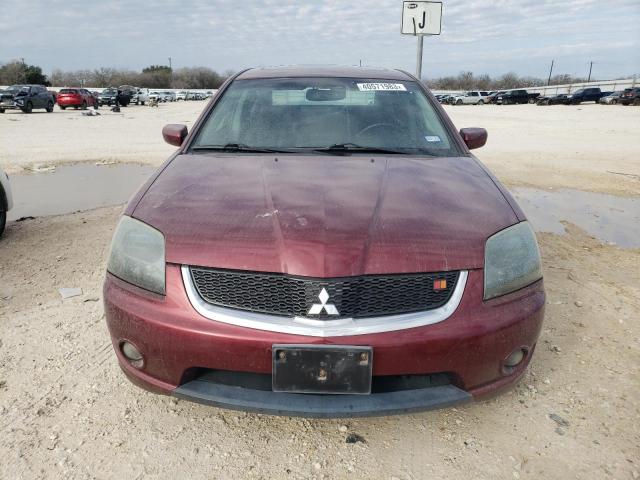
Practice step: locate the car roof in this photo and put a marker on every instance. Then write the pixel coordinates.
(324, 71)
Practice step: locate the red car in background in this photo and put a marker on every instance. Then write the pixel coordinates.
(76, 98)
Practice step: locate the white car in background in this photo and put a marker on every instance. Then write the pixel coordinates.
(141, 97)
(184, 95)
(474, 97)
(6, 200)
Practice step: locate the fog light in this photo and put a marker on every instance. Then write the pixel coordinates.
(515, 358)
(131, 353)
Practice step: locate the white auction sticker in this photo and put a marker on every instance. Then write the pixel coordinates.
(381, 87)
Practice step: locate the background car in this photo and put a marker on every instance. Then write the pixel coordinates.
(6, 200)
(474, 97)
(592, 94)
(168, 96)
(611, 99)
(491, 98)
(140, 96)
(513, 97)
(76, 98)
(630, 96)
(560, 99)
(26, 98)
(113, 96)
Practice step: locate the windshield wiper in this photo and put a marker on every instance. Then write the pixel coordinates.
(352, 147)
(238, 147)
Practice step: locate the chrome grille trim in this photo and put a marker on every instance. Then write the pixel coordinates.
(322, 328)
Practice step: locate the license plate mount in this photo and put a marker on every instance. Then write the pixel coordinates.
(324, 369)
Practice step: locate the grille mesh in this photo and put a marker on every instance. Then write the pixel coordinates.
(356, 297)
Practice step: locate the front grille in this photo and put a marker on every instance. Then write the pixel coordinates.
(353, 297)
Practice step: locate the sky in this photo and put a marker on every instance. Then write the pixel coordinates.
(483, 36)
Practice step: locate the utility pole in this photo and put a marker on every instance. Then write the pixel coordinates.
(419, 63)
(550, 71)
(590, 67)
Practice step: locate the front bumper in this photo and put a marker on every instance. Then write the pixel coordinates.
(177, 343)
(9, 105)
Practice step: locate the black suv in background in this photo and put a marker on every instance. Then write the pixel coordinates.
(592, 94)
(516, 96)
(630, 96)
(114, 96)
(26, 98)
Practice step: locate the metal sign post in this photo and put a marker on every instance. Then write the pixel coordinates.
(421, 18)
(419, 62)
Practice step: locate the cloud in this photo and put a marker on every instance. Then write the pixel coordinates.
(492, 36)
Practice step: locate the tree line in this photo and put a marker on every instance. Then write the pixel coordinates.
(468, 81)
(154, 76)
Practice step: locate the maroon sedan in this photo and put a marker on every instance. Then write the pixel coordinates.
(76, 98)
(323, 243)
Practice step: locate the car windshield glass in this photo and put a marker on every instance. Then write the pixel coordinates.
(321, 113)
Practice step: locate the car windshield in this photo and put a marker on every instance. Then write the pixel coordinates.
(326, 113)
(68, 90)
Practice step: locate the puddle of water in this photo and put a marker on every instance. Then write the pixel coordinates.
(71, 188)
(75, 187)
(614, 220)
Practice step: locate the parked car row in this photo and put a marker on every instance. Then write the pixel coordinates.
(30, 97)
(629, 96)
(478, 97)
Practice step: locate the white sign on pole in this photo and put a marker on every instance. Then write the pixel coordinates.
(421, 18)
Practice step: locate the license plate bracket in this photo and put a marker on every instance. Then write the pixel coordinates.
(327, 369)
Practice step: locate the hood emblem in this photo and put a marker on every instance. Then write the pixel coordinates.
(330, 308)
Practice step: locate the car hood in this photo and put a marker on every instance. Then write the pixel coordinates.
(325, 216)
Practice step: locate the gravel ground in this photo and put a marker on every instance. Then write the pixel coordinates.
(66, 411)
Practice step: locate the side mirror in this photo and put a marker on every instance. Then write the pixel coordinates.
(174, 134)
(474, 137)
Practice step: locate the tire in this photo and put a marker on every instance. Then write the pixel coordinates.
(481, 102)
(84, 105)
(141, 103)
(458, 102)
(1, 110)
(613, 102)
(28, 108)
(636, 102)
(62, 108)
(3, 221)
(49, 107)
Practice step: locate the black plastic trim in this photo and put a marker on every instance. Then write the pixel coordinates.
(321, 406)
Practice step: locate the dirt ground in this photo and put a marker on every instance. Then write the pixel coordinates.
(66, 411)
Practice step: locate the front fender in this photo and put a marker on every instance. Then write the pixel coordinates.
(6, 199)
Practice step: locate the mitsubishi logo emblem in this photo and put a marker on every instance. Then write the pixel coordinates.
(330, 308)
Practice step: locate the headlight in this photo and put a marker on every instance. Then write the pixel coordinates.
(511, 260)
(137, 255)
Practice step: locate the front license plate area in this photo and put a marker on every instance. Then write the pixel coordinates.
(322, 369)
